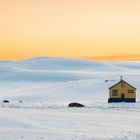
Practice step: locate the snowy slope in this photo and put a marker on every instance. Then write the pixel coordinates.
(39, 90)
(69, 124)
(58, 79)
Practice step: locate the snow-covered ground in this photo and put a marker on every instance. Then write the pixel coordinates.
(39, 90)
(69, 124)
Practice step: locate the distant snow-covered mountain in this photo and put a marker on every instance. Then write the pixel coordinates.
(40, 69)
(52, 63)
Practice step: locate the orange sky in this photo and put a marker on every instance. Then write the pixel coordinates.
(94, 29)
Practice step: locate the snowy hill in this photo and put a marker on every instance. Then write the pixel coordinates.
(39, 90)
(60, 79)
(60, 69)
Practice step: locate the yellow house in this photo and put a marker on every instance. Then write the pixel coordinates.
(122, 92)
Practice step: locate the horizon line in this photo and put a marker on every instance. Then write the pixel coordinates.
(125, 57)
(94, 58)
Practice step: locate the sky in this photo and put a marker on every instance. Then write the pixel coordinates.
(92, 29)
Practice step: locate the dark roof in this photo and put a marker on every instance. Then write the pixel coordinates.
(124, 82)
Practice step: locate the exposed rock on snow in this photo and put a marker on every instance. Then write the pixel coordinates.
(6, 101)
(75, 105)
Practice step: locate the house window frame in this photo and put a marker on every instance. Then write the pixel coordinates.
(115, 92)
(130, 91)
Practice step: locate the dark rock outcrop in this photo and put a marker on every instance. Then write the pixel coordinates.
(6, 101)
(76, 105)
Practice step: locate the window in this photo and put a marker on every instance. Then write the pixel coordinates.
(130, 91)
(114, 92)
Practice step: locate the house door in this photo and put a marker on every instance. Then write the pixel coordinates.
(122, 96)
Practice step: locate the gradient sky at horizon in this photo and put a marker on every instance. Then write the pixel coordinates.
(94, 29)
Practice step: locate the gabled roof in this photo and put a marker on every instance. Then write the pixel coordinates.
(124, 82)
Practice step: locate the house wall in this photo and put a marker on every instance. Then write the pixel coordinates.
(123, 90)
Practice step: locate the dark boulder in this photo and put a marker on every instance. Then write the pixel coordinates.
(75, 105)
(6, 101)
